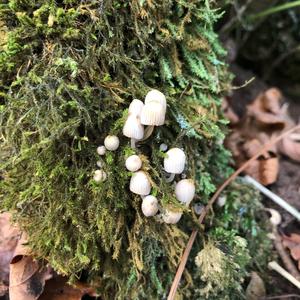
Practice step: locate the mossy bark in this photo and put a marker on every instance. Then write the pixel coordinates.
(68, 71)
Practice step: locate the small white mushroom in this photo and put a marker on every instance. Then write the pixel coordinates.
(174, 162)
(171, 217)
(100, 176)
(198, 208)
(136, 107)
(275, 216)
(185, 191)
(111, 142)
(140, 184)
(156, 96)
(133, 163)
(99, 164)
(149, 206)
(133, 129)
(221, 201)
(101, 150)
(163, 147)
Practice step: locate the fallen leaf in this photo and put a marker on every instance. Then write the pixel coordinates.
(272, 100)
(290, 146)
(256, 288)
(264, 170)
(229, 113)
(9, 236)
(58, 289)
(27, 277)
(292, 242)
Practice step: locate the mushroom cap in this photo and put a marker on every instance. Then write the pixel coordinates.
(111, 142)
(156, 96)
(101, 150)
(171, 217)
(174, 162)
(136, 107)
(133, 128)
(185, 191)
(153, 113)
(100, 175)
(140, 184)
(163, 147)
(150, 206)
(133, 163)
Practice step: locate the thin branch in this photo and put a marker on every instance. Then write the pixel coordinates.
(192, 238)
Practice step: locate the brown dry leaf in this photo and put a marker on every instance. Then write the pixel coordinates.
(290, 146)
(58, 289)
(9, 236)
(256, 288)
(272, 100)
(26, 278)
(264, 170)
(229, 113)
(292, 242)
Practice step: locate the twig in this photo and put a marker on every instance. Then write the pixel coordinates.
(280, 297)
(192, 238)
(288, 263)
(281, 202)
(273, 265)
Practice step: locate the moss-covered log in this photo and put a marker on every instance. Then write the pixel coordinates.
(68, 71)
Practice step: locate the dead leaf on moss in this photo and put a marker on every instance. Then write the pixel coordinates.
(58, 289)
(256, 288)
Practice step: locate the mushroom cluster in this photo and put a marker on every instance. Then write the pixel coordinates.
(149, 113)
(111, 143)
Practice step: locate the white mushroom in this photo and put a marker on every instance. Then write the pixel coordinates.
(153, 113)
(100, 175)
(174, 162)
(136, 107)
(111, 142)
(185, 191)
(156, 96)
(133, 163)
(221, 201)
(99, 164)
(101, 150)
(133, 129)
(171, 217)
(163, 147)
(149, 206)
(140, 184)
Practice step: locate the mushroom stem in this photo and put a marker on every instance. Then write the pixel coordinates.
(170, 178)
(276, 267)
(148, 132)
(132, 143)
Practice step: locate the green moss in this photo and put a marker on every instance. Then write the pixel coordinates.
(68, 72)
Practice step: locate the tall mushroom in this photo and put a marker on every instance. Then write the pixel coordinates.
(174, 162)
(133, 127)
(154, 111)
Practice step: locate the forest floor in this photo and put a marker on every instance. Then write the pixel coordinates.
(287, 185)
